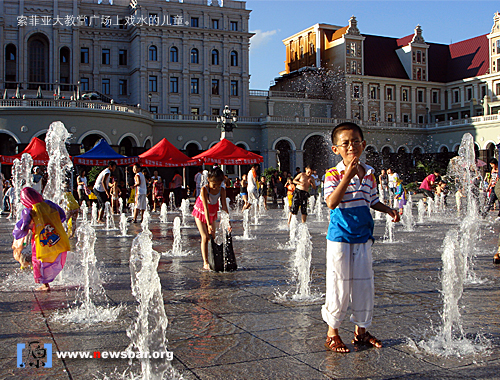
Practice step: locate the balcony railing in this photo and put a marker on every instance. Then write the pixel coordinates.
(298, 121)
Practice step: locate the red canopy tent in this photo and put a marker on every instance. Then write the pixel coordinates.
(164, 154)
(37, 150)
(226, 153)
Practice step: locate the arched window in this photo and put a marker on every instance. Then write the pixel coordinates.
(64, 66)
(234, 58)
(215, 57)
(38, 61)
(194, 56)
(174, 54)
(153, 53)
(10, 65)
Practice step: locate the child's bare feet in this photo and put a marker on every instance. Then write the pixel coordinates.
(206, 266)
(43, 288)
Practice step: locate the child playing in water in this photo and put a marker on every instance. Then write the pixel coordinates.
(207, 203)
(400, 195)
(350, 192)
(50, 242)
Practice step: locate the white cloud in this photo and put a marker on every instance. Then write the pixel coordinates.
(261, 38)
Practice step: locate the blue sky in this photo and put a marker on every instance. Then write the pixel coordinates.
(441, 22)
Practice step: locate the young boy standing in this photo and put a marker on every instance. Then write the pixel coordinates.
(350, 191)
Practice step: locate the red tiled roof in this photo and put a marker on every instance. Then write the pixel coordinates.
(380, 57)
(405, 40)
(468, 58)
(446, 63)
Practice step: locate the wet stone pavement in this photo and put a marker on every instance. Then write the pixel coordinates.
(234, 326)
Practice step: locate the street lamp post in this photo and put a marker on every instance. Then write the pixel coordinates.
(226, 122)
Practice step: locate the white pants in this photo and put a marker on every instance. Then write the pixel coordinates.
(349, 277)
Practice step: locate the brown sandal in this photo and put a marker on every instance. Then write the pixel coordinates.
(366, 339)
(335, 344)
(496, 258)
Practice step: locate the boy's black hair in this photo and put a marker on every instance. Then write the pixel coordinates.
(346, 126)
(215, 175)
(111, 163)
(493, 161)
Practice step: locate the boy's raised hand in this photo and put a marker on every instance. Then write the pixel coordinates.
(394, 214)
(352, 168)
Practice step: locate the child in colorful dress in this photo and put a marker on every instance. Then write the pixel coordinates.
(400, 195)
(207, 203)
(50, 242)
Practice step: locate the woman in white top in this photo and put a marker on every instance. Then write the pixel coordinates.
(82, 188)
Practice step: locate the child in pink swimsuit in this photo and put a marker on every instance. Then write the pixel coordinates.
(207, 203)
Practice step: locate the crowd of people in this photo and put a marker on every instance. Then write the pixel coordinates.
(349, 190)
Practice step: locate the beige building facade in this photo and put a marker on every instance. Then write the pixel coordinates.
(175, 65)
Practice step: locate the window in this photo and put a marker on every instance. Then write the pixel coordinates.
(122, 58)
(215, 87)
(406, 118)
(122, 87)
(10, 63)
(153, 53)
(153, 19)
(404, 95)
(420, 96)
(215, 57)
(215, 111)
(469, 94)
(153, 83)
(174, 110)
(233, 26)
(390, 117)
(84, 84)
(84, 55)
(194, 56)
(373, 116)
(174, 85)
(483, 91)
(419, 56)
(195, 111)
(105, 56)
(234, 58)
(195, 22)
(389, 93)
(234, 112)
(354, 66)
(64, 55)
(153, 109)
(355, 92)
(498, 89)
(105, 86)
(174, 54)
(301, 52)
(419, 73)
(435, 97)
(421, 119)
(311, 48)
(195, 83)
(234, 88)
(373, 92)
(353, 49)
(456, 96)
(215, 24)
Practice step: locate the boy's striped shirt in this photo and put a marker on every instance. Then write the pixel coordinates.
(351, 221)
